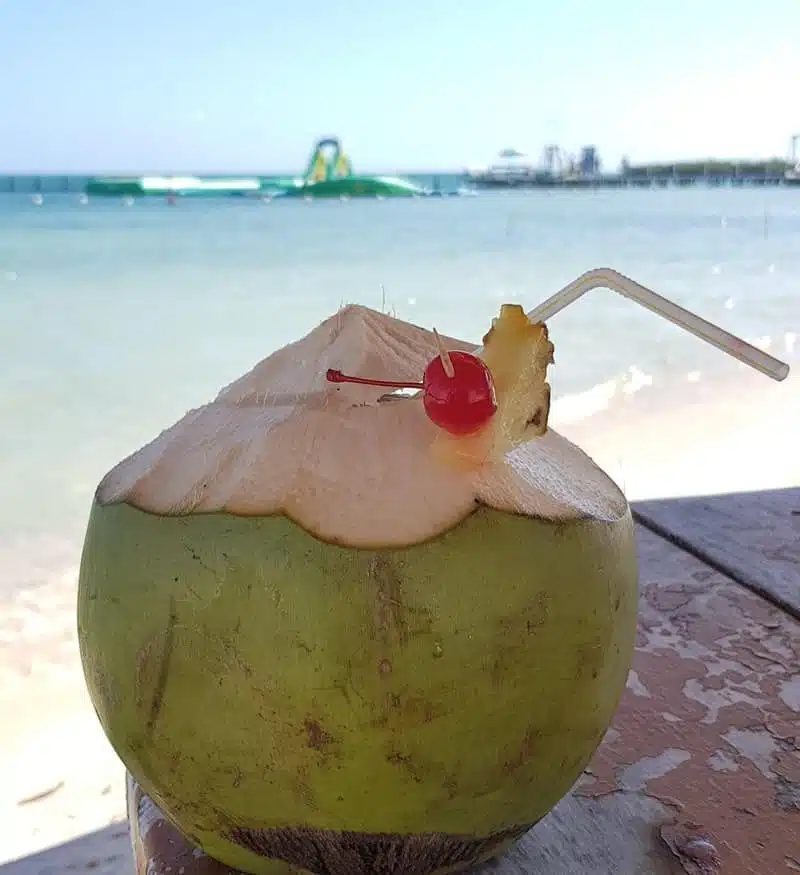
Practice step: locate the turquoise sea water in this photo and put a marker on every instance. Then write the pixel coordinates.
(115, 319)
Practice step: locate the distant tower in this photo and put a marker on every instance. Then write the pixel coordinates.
(589, 162)
(553, 160)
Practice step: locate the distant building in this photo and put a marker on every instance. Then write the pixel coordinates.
(589, 161)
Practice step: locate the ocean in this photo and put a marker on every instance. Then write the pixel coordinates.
(115, 319)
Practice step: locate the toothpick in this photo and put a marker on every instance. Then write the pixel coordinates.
(444, 355)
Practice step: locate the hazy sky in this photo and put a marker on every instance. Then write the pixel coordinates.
(247, 84)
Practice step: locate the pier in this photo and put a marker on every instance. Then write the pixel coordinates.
(559, 169)
(709, 173)
(42, 184)
(619, 181)
(678, 175)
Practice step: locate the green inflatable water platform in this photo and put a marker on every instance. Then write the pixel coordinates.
(329, 174)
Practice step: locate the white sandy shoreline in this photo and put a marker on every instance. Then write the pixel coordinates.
(698, 439)
(58, 776)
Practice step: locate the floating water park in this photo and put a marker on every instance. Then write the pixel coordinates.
(328, 174)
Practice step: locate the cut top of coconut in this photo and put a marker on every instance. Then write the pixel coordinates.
(351, 463)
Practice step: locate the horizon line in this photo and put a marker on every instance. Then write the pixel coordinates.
(367, 172)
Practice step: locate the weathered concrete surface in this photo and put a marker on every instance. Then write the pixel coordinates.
(753, 537)
(700, 774)
(710, 724)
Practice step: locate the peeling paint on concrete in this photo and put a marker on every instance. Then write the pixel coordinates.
(721, 762)
(636, 776)
(635, 685)
(775, 645)
(787, 794)
(718, 662)
(756, 745)
(716, 700)
(789, 691)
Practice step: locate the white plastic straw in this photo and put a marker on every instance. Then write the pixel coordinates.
(605, 277)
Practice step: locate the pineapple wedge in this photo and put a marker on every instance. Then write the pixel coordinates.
(517, 352)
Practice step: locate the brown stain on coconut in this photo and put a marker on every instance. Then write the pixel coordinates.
(527, 749)
(316, 737)
(152, 670)
(391, 615)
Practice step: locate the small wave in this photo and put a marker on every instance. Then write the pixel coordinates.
(573, 408)
(581, 405)
(635, 381)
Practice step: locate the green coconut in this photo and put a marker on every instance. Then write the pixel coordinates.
(319, 647)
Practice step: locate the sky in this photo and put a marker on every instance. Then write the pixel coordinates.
(180, 85)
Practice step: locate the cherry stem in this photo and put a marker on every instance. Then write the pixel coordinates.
(335, 376)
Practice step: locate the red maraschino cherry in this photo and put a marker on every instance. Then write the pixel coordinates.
(458, 391)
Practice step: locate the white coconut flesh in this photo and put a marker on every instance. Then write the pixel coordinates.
(343, 461)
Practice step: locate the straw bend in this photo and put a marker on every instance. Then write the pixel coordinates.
(606, 277)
